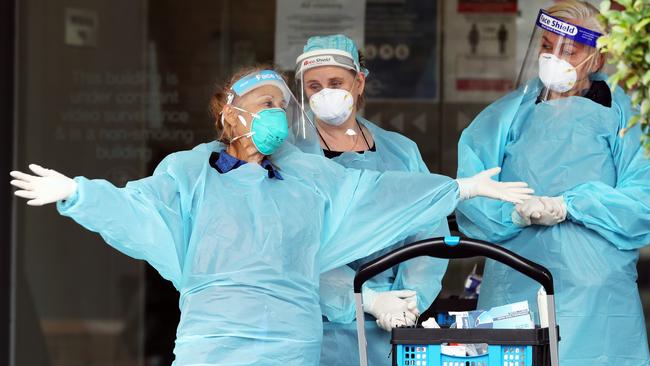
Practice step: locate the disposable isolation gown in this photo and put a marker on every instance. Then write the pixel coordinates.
(394, 152)
(246, 251)
(568, 147)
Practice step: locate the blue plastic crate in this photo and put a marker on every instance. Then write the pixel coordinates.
(505, 347)
(430, 355)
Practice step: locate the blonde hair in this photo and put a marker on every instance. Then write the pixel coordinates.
(578, 10)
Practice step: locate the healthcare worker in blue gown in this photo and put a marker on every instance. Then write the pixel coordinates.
(331, 75)
(559, 131)
(243, 227)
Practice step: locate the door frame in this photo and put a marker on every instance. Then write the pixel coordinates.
(8, 21)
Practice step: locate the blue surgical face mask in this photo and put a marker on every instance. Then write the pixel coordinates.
(269, 129)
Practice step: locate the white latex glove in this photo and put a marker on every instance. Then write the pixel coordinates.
(430, 323)
(45, 187)
(391, 307)
(524, 213)
(547, 211)
(482, 185)
(554, 211)
(387, 321)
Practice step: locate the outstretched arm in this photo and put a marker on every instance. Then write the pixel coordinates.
(368, 211)
(142, 220)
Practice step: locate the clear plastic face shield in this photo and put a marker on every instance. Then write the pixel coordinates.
(267, 107)
(325, 79)
(561, 58)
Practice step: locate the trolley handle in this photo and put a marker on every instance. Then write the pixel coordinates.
(454, 247)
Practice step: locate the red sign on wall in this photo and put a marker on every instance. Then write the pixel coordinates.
(487, 6)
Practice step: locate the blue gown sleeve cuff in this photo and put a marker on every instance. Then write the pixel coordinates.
(64, 206)
(568, 199)
(517, 219)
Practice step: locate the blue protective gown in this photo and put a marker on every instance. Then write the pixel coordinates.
(246, 251)
(568, 147)
(394, 152)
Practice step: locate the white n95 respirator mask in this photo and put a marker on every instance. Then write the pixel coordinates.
(558, 75)
(332, 106)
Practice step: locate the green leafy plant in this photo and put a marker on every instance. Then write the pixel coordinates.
(628, 46)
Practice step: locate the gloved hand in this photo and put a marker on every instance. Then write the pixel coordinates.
(524, 213)
(388, 321)
(547, 211)
(45, 187)
(482, 185)
(554, 211)
(430, 323)
(391, 308)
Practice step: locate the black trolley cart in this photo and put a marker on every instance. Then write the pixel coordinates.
(416, 346)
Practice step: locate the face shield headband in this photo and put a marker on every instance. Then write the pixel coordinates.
(261, 78)
(565, 29)
(325, 57)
